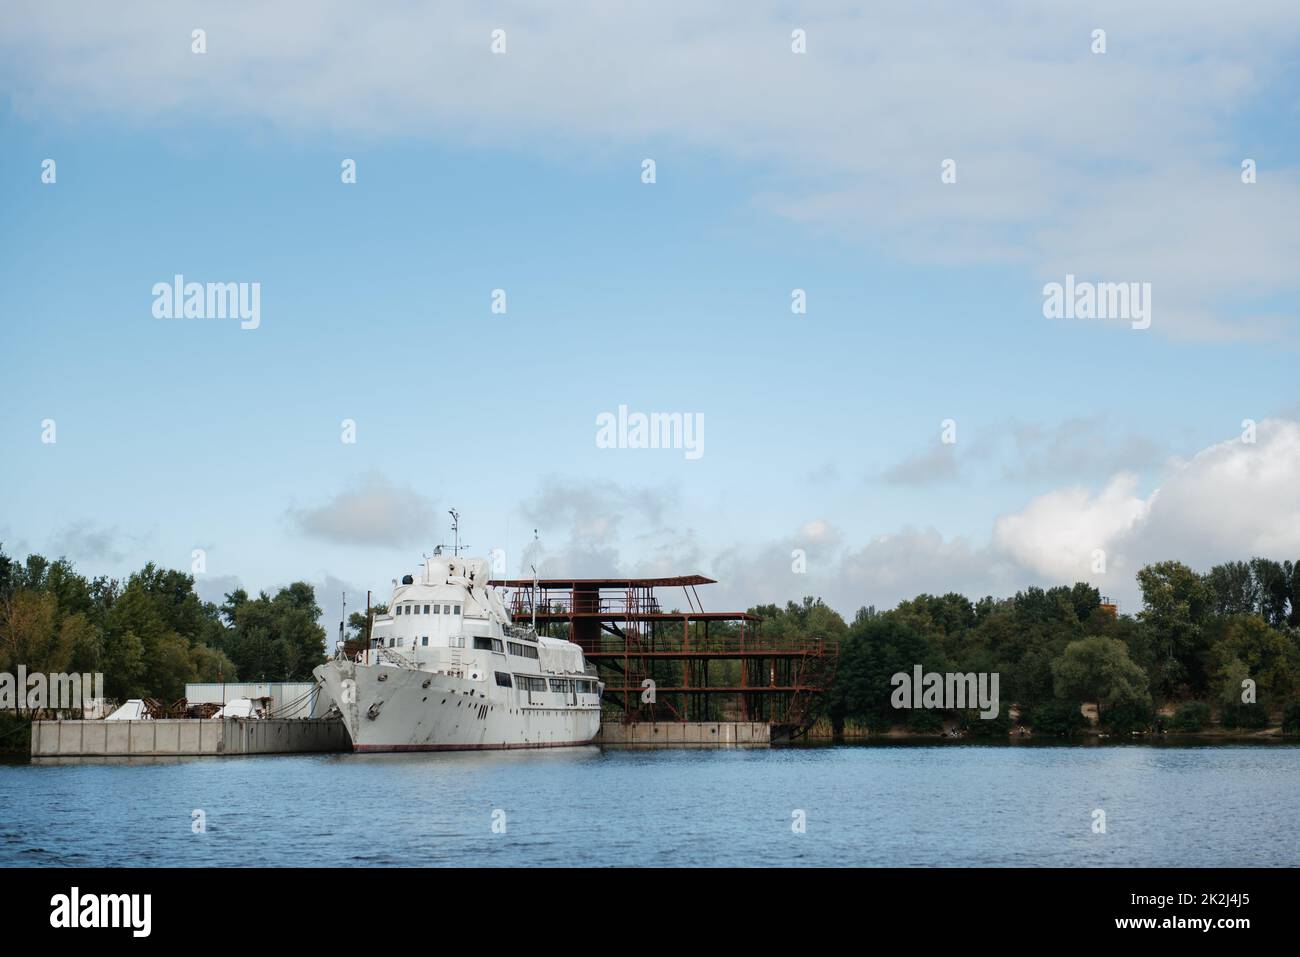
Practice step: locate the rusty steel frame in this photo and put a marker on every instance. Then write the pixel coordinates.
(624, 631)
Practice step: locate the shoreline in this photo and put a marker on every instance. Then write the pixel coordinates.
(1092, 736)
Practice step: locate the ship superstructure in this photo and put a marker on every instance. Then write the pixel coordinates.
(447, 670)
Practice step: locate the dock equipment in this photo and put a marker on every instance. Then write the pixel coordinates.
(679, 665)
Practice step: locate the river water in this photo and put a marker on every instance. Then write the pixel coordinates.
(905, 805)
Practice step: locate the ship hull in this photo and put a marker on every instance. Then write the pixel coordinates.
(389, 708)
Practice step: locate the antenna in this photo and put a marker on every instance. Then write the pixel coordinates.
(535, 587)
(534, 601)
(455, 534)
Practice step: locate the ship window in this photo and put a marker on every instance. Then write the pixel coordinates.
(425, 641)
(483, 644)
(435, 609)
(426, 609)
(456, 641)
(446, 609)
(400, 641)
(560, 684)
(458, 609)
(503, 680)
(390, 642)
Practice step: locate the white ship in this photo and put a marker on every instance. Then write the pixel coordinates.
(446, 670)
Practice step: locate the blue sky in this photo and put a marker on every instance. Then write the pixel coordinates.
(821, 430)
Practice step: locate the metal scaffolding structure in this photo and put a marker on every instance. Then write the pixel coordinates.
(679, 665)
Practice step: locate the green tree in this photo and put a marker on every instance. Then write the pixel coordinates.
(1099, 669)
(1176, 601)
(1233, 589)
(1275, 589)
(875, 650)
(1056, 717)
(1244, 646)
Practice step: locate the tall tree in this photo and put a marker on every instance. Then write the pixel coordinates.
(1099, 669)
(1176, 601)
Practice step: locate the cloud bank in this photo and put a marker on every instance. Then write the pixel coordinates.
(1121, 166)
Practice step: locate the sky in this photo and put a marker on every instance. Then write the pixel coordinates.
(919, 172)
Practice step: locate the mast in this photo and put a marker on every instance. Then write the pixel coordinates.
(455, 535)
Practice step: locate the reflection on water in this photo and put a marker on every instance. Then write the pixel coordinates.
(904, 803)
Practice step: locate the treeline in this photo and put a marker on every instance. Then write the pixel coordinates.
(1198, 643)
(151, 633)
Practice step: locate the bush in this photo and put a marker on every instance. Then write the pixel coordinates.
(1192, 716)
(878, 723)
(1056, 717)
(15, 734)
(1125, 718)
(978, 727)
(924, 721)
(1246, 716)
(1291, 718)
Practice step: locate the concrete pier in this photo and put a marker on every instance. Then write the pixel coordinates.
(685, 734)
(187, 736)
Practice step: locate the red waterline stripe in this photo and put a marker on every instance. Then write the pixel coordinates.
(466, 747)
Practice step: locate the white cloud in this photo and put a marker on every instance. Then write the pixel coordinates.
(1232, 500)
(1061, 167)
(1079, 447)
(1057, 534)
(936, 463)
(584, 528)
(373, 511)
(87, 541)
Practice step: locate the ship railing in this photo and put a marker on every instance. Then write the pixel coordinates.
(520, 604)
(387, 654)
(674, 643)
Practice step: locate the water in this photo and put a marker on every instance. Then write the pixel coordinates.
(914, 805)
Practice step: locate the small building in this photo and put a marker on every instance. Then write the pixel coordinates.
(288, 699)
